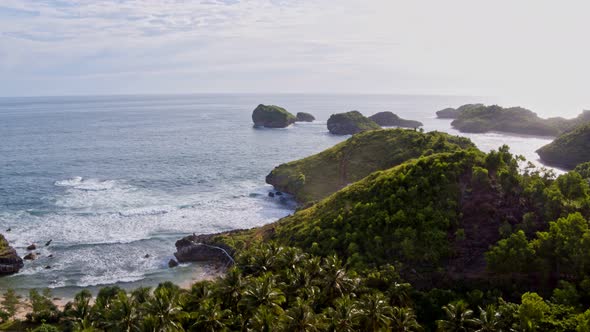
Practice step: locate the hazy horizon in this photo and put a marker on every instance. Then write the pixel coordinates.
(530, 53)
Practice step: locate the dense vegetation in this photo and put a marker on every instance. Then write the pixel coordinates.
(272, 116)
(569, 149)
(350, 123)
(320, 175)
(273, 288)
(389, 119)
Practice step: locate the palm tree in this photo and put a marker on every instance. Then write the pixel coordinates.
(210, 317)
(262, 291)
(124, 314)
(141, 295)
(80, 308)
(459, 318)
(264, 320)
(399, 294)
(230, 288)
(199, 291)
(84, 325)
(165, 309)
(301, 318)
(334, 281)
(489, 319)
(376, 312)
(404, 320)
(344, 315)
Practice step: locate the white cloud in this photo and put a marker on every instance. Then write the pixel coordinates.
(531, 52)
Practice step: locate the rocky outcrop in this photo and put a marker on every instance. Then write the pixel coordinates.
(304, 117)
(569, 149)
(271, 116)
(453, 113)
(389, 119)
(350, 123)
(203, 248)
(10, 262)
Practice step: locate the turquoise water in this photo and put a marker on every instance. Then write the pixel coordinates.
(111, 179)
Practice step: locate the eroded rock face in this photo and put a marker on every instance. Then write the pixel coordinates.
(350, 123)
(271, 116)
(10, 262)
(304, 117)
(202, 248)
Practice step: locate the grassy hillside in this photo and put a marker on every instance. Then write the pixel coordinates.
(320, 175)
(569, 149)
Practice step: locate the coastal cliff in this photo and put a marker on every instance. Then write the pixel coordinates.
(10, 262)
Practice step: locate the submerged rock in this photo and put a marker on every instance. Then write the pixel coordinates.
(272, 116)
(304, 117)
(172, 263)
(30, 256)
(32, 247)
(350, 123)
(389, 119)
(48, 243)
(271, 194)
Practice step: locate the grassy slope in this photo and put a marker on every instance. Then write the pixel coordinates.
(320, 175)
(569, 149)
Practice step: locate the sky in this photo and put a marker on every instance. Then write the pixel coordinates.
(532, 53)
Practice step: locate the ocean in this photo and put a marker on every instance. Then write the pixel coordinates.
(112, 179)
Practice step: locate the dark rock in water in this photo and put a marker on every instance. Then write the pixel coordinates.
(30, 256)
(203, 248)
(272, 116)
(271, 194)
(32, 247)
(172, 263)
(9, 229)
(47, 267)
(10, 261)
(48, 243)
(304, 117)
(350, 123)
(50, 256)
(389, 119)
(278, 193)
(146, 256)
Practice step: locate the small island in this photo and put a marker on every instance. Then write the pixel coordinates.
(304, 117)
(569, 149)
(350, 123)
(515, 120)
(389, 119)
(10, 262)
(271, 116)
(477, 118)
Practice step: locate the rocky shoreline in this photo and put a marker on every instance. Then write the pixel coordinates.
(203, 248)
(10, 261)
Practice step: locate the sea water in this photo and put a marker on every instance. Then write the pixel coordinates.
(114, 181)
